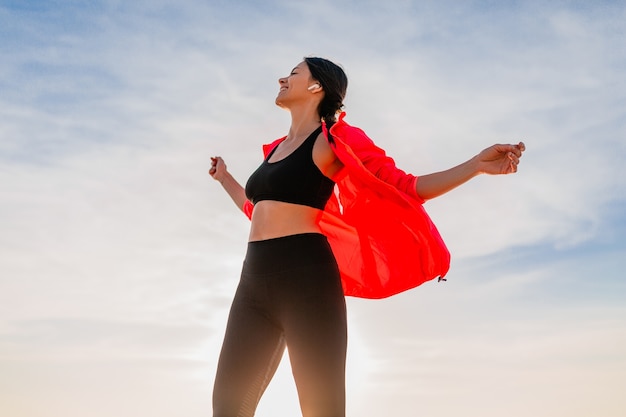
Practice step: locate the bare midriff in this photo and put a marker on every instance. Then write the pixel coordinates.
(272, 219)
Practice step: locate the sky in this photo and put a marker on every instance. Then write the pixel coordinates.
(119, 255)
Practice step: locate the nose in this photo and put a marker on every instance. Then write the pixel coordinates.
(282, 80)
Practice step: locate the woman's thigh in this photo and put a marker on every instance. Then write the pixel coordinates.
(315, 328)
(252, 349)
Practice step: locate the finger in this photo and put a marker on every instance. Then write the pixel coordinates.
(513, 157)
(516, 150)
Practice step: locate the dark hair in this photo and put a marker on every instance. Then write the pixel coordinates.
(334, 81)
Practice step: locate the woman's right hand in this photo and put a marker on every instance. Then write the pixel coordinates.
(218, 168)
(219, 173)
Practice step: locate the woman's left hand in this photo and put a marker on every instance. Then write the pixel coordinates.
(500, 159)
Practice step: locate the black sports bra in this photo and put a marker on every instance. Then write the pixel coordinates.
(294, 179)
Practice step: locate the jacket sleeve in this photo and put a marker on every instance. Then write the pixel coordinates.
(380, 164)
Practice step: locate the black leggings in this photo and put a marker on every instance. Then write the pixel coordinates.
(289, 294)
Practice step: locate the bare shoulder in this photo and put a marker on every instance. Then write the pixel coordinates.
(325, 158)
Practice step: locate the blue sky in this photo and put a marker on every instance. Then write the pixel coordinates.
(119, 255)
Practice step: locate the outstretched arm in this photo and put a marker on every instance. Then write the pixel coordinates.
(497, 159)
(219, 173)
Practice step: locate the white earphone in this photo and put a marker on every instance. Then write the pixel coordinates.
(313, 87)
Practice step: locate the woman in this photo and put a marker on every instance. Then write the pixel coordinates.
(331, 216)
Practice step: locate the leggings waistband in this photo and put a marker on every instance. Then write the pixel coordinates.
(288, 252)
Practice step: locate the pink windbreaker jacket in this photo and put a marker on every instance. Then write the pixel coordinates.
(383, 239)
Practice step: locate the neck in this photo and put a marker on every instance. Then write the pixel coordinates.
(304, 120)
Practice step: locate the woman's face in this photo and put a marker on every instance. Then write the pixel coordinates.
(295, 86)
